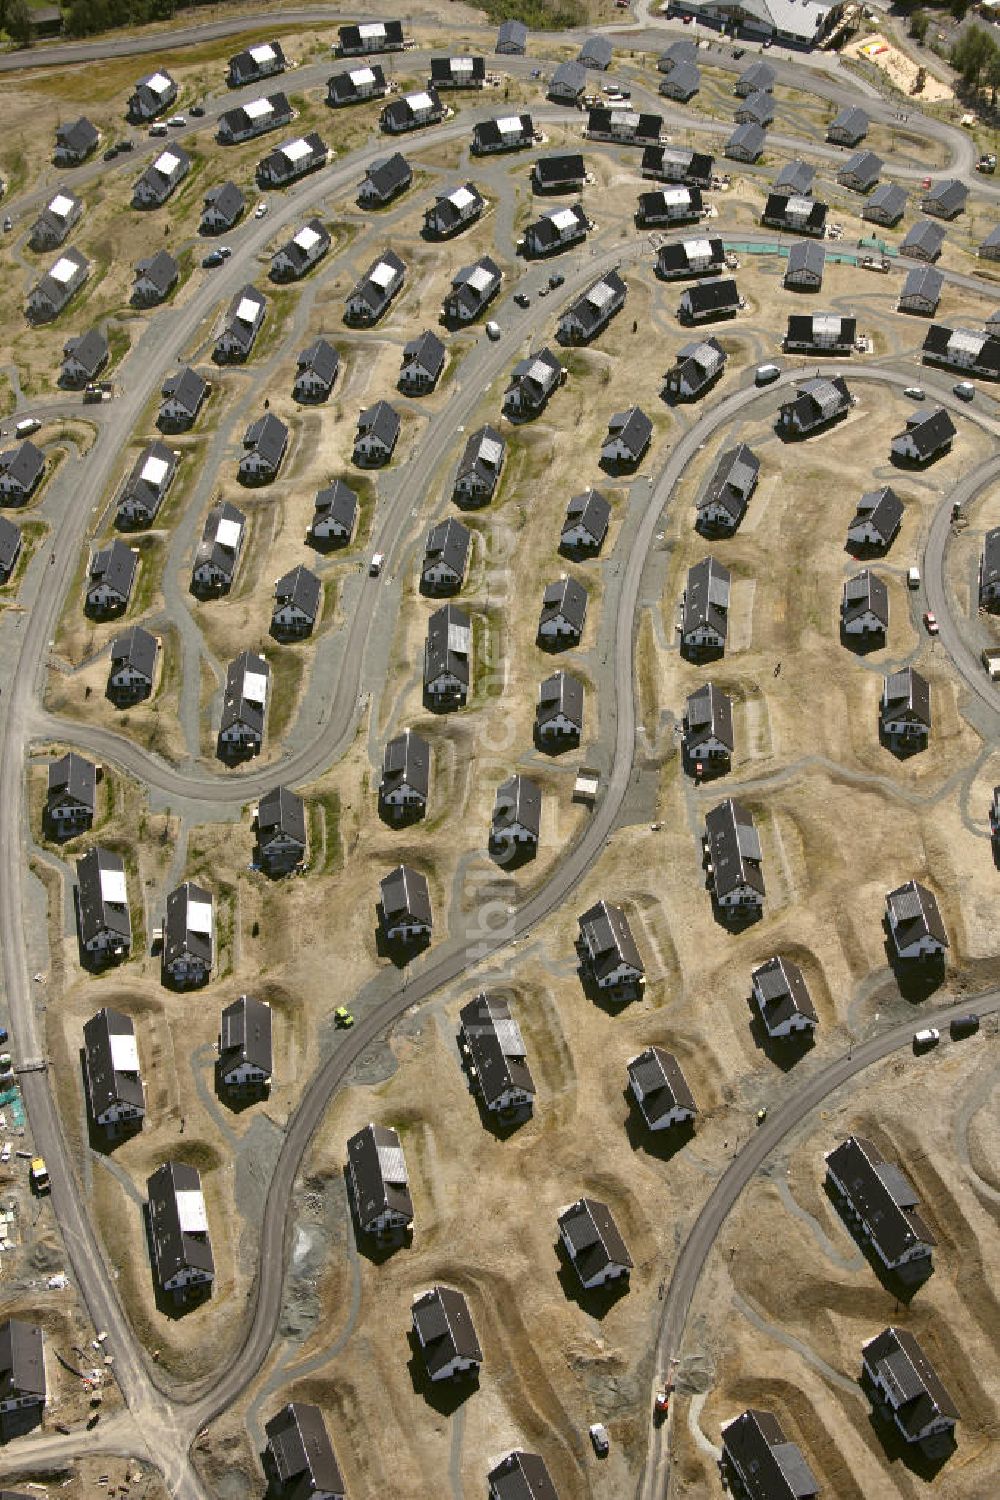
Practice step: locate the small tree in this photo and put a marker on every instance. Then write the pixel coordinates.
(919, 22)
(17, 20)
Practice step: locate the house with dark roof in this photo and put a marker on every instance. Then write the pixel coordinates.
(448, 658)
(709, 739)
(795, 214)
(245, 1051)
(412, 112)
(989, 570)
(782, 997)
(624, 126)
(256, 117)
(280, 825)
(559, 711)
(945, 199)
(505, 133)
(795, 178)
(756, 109)
(84, 357)
(155, 278)
(218, 553)
(848, 127)
(860, 172)
(161, 178)
(746, 143)
(705, 607)
(111, 1070)
(759, 1461)
(732, 848)
(923, 241)
(568, 83)
(876, 521)
(517, 815)
(315, 372)
(629, 435)
(292, 161)
(380, 1183)
(147, 486)
(356, 86)
(559, 174)
(494, 1056)
(756, 77)
(453, 211)
(670, 205)
(658, 1086)
(532, 382)
(188, 930)
(479, 467)
(446, 557)
(593, 1243)
(681, 83)
(10, 547)
(335, 515)
(596, 53)
(915, 922)
(264, 445)
(445, 1334)
(697, 367)
(406, 776)
(58, 286)
(178, 1229)
(564, 612)
(385, 179)
(56, 220)
(707, 301)
(378, 432)
(512, 39)
(75, 141)
(879, 1202)
(243, 322)
(864, 608)
(297, 256)
(222, 209)
(520, 1476)
(298, 598)
(22, 1366)
(71, 800)
(21, 471)
(133, 665)
(103, 918)
(679, 259)
(723, 502)
(405, 906)
(244, 705)
(886, 205)
(262, 60)
(457, 72)
(586, 524)
(921, 291)
(152, 95)
(606, 947)
(591, 313)
(371, 36)
(110, 578)
(963, 349)
(816, 333)
(903, 1379)
(376, 289)
(473, 288)
(678, 164)
(816, 404)
(422, 361)
(183, 396)
(556, 229)
(926, 436)
(989, 248)
(683, 50)
(905, 711)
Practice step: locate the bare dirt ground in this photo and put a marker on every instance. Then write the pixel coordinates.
(899, 69)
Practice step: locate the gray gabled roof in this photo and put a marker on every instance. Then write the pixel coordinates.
(795, 177)
(448, 645)
(925, 239)
(520, 1476)
(866, 593)
(596, 1240)
(917, 1392)
(245, 1035)
(268, 437)
(114, 565)
(661, 1079)
(390, 174)
(734, 847)
(709, 711)
(757, 75)
(10, 543)
(187, 388)
(227, 200)
(888, 201)
(706, 597)
(882, 509)
(378, 1169)
(444, 1326)
(930, 431)
(907, 694)
(851, 121)
(24, 463)
(774, 1468)
(596, 52)
(806, 257)
(483, 454)
(176, 1245)
(733, 481)
(427, 350)
(881, 1194)
(590, 511)
(381, 421)
(605, 931)
(281, 812)
(632, 428)
(864, 165)
(781, 985)
(946, 197)
(406, 761)
(338, 503)
(161, 269)
(22, 1361)
(448, 543)
(113, 1075)
(916, 914)
(302, 1453)
(924, 282)
(80, 136)
(562, 693)
(406, 895)
(179, 937)
(73, 779)
(748, 137)
(102, 897)
(682, 82)
(494, 1040)
(135, 648)
(518, 800)
(512, 34)
(322, 359)
(571, 76)
(89, 351)
(300, 588)
(566, 597)
(238, 707)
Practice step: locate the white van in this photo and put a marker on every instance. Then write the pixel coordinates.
(158, 129)
(493, 330)
(26, 427)
(913, 578)
(927, 1037)
(764, 374)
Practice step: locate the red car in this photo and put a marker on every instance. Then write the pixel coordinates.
(926, 183)
(930, 622)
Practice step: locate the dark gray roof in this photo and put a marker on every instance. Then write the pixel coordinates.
(930, 431)
(342, 89)
(488, 132)
(428, 350)
(448, 543)
(513, 35)
(161, 269)
(734, 848)
(571, 76)
(102, 898)
(210, 548)
(596, 52)
(89, 351)
(590, 310)
(486, 466)
(406, 894)
(549, 171)
(683, 81)
(591, 511)
(946, 197)
(73, 779)
(796, 212)
(444, 1325)
(881, 1195)
(818, 400)
(240, 330)
(543, 230)
(301, 588)
(888, 202)
(595, 1238)
(678, 164)
(237, 707)
(114, 565)
(108, 1082)
(795, 177)
(24, 463)
(633, 428)
(80, 136)
(965, 349)
(301, 249)
(562, 693)
(472, 285)
(187, 388)
(281, 812)
(518, 800)
(605, 931)
(757, 75)
(302, 1453)
(924, 282)
(10, 543)
(339, 504)
(733, 481)
(494, 1040)
(881, 509)
(757, 107)
(245, 1035)
(706, 597)
(924, 239)
(865, 593)
(851, 122)
(22, 1361)
(388, 33)
(918, 1394)
(464, 69)
(806, 257)
(149, 479)
(378, 1170)
(521, 1476)
(322, 359)
(381, 421)
(406, 761)
(448, 646)
(917, 914)
(863, 165)
(175, 1246)
(990, 568)
(819, 329)
(268, 437)
(712, 296)
(782, 986)
(178, 937)
(408, 110)
(771, 1467)
(608, 119)
(278, 167)
(709, 711)
(237, 121)
(748, 138)
(566, 597)
(389, 175)
(448, 213)
(244, 67)
(683, 50)
(662, 1081)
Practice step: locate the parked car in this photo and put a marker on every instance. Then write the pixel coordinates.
(964, 1025)
(556, 279)
(492, 330)
(965, 390)
(260, 212)
(375, 566)
(930, 622)
(126, 145)
(927, 1036)
(914, 393)
(764, 374)
(8, 224)
(213, 258)
(177, 121)
(913, 578)
(111, 153)
(522, 299)
(197, 110)
(225, 251)
(26, 427)
(598, 1431)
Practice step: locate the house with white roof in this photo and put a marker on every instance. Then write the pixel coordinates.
(52, 292)
(293, 160)
(412, 112)
(254, 118)
(453, 211)
(161, 178)
(56, 220)
(151, 96)
(305, 249)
